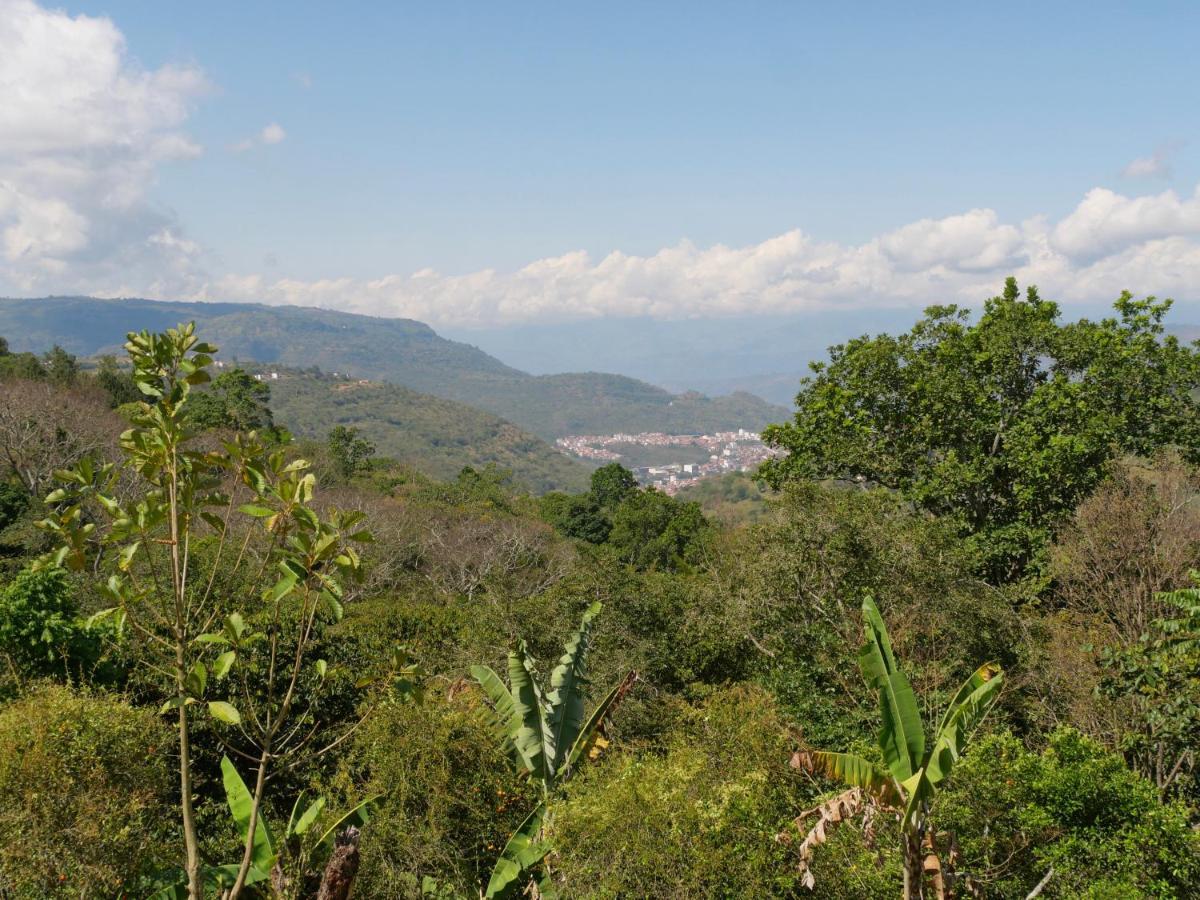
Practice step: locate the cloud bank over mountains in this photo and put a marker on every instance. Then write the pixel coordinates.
(1108, 242)
(84, 130)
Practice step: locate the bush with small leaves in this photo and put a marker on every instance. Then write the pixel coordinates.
(84, 794)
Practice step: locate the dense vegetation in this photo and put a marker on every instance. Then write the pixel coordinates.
(434, 436)
(273, 668)
(399, 351)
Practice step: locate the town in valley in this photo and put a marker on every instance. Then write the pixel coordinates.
(671, 462)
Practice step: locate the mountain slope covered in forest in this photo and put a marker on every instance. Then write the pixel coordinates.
(402, 351)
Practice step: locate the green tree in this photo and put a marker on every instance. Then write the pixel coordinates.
(280, 567)
(350, 451)
(119, 385)
(612, 484)
(235, 400)
(653, 530)
(546, 735)
(576, 515)
(61, 367)
(1004, 424)
(21, 365)
(1070, 812)
(1159, 677)
(84, 795)
(39, 627)
(14, 500)
(913, 770)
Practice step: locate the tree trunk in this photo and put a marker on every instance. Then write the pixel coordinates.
(912, 868)
(342, 867)
(190, 840)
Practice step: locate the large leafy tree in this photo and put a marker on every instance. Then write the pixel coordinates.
(1003, 424)
(612, 484)
(235, 400)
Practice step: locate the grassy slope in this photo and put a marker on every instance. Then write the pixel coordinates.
(435, 436)
(398, 350)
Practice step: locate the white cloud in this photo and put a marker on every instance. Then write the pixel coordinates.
(1107, 243)
(82, 131)
(1106, 222)
(271, 134)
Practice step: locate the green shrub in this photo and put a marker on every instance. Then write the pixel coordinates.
(450, 800)
(1074, 807)
(84, 794)
(39, 629)
(698, 820)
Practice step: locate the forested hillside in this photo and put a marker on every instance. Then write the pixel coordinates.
(401, 351)
(941, 657)
(435, 436)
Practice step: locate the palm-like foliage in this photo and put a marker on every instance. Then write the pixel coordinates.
(913, 767)
(545, 734)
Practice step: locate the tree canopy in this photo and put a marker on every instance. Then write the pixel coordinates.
(1003, 424)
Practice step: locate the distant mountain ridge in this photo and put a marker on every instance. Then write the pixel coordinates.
(402, 351)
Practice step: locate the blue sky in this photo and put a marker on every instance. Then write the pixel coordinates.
(467, 137)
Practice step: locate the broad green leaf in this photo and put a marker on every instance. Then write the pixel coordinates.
(235, 625)
(961, 721)
(224, 712)
(197, 679)
(875, 658)
(322, 667)
(918, 791)
(259, 512)
(979, 677)
(309, 816)
(533, 737)
(241, 805)
(567, 684)
(282, 588)
(125, 558)
(509, 719)
(901, 734)
(222, 663)
(523, 851)
(359, 816)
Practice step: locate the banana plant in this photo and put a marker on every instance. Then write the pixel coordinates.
(546, 735)
(269, 851)
(913, 768)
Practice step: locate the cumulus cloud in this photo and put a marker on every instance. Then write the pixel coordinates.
(1107, 243)
(1106, 222)
(82, 131)
(271, 134)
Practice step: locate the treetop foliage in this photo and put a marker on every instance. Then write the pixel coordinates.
(1003, 424)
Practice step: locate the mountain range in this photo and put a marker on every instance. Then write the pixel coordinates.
(401, 351)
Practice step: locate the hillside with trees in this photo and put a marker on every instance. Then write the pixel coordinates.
(434, 436)
(941, 657)
(400, 351)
